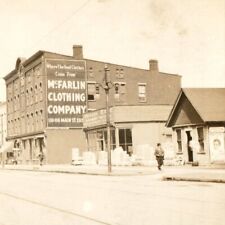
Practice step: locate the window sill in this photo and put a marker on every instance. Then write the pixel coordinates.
(179, 153)
(201, 153)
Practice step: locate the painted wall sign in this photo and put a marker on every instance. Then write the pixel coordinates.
(66, 92)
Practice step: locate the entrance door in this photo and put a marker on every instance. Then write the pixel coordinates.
(189, 148)
(100, 141)
(30, 149)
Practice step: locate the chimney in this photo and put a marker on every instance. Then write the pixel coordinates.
(78, 51)
(153, 65)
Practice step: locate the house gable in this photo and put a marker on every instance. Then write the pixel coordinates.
(184, 113)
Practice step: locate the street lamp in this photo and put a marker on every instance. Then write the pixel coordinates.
(107, 86)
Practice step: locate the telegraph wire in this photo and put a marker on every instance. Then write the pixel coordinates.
(60, 24)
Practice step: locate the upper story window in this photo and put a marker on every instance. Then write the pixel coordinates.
(142, 92)
(120, 91)
(37, 70)
(119, 73)
(91, 86)
(27, 97)
(28, 75)
(91, 72)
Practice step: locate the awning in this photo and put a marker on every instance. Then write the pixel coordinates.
(7, 147)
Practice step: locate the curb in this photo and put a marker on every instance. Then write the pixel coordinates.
(79, 172)
(177, 178)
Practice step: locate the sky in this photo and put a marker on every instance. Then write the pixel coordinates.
(187, 37)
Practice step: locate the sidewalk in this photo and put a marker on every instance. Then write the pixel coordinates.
(89, 170)
(212, 173)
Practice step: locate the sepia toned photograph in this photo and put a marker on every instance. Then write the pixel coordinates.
(112, 112)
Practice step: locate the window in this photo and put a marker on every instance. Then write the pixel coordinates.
(119, 73)
(41, 119)
(142, 92)
(32, 122)
(200, 132)
(120, 91)
(37, 120)
(179, 140)
(125, 140)
(28, 124)
(27, 97)
(35, 93)
(91, 91)
(37, 70)
(40, 92)
(91, 73)
(31, 95)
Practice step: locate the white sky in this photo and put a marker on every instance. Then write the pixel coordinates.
(187, 37)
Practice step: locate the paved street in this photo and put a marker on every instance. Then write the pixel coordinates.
(33, 198)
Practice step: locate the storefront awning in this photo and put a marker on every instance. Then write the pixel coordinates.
(6, 147)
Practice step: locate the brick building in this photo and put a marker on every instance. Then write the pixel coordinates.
(48, 93)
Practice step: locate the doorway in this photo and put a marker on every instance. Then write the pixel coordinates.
(189, 148)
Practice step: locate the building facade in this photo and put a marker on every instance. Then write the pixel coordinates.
(134, 128)
(3, 123)
(48, 93)
(198, 123)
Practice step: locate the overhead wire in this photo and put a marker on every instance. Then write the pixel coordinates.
(61, 23)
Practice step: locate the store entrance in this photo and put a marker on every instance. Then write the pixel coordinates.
(189, 148)
(100, 141)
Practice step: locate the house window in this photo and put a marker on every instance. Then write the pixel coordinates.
(179, 141)
(91, 91)
(125, 140)
(142, 92)
(200, 132)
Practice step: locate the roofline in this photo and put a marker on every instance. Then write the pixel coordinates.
(31, 58)
(39, 53)
(174, 107)
(108, 63)
(193, 106)
(9, 74)
(170, 74)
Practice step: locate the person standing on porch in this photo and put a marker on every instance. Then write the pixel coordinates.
(159, 154)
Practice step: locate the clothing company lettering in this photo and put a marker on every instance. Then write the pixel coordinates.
(66, 93)
(66, 97)
(61, 84)
(66, 109)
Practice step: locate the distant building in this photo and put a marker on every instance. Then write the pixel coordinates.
(48, 93)
(3, 123)
(198, 123)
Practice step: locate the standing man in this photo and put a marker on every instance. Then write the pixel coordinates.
(159, 154)
(41, 157)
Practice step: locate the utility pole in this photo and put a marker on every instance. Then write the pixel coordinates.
(107, 82)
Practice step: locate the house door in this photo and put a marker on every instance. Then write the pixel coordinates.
(189, 148)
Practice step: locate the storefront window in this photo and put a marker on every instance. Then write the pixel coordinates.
(201, 138)
(125, 140)
(97, 140)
